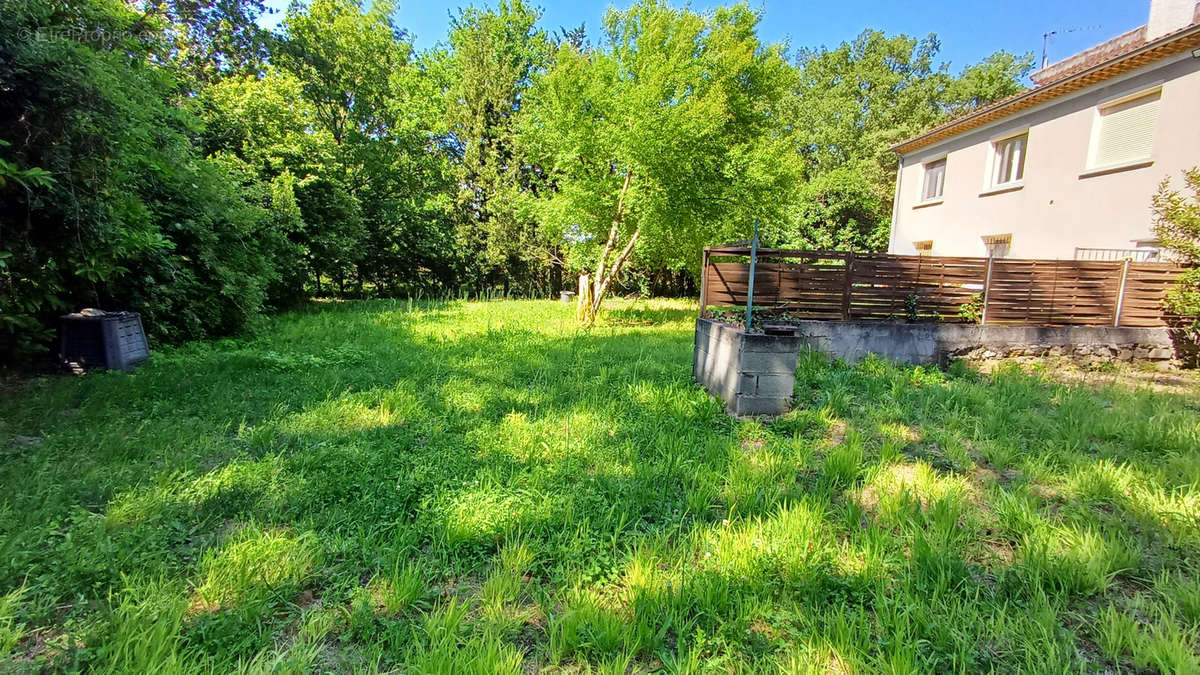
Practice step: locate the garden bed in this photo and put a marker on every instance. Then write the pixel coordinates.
(753, 373)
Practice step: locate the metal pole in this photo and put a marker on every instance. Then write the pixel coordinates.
(987, 289)
(753, 264)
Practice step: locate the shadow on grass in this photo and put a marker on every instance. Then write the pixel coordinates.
(363, 437)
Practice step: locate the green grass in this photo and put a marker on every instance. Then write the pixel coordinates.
(480, 487)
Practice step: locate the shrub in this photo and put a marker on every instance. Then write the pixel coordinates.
(1177, 225)
(106, 201)
(971, 311)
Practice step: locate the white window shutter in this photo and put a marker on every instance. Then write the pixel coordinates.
(935, 176)
(1126, 131)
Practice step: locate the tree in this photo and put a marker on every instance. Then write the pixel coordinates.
(852, 103)
(658, 141)
(107, 202)
(373, 207)
(493, 59)
(208, 39)
(1177, 226)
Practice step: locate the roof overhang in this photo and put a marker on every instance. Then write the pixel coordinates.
(1169, 45)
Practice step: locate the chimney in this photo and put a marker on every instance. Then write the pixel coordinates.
(1168, 16)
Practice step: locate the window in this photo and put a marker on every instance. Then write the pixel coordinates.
(935, 179)
(997, 244)
(1008, 161)
(1124, 131)
(924, 247)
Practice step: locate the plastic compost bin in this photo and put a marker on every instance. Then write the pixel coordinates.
(113, 340)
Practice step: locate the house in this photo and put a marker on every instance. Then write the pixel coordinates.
(1067, 168)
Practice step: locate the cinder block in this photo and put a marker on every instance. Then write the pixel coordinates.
(759, 405)
(771, 344)
(747, 383)
(769, 362)
(753, 374)
(775, 386)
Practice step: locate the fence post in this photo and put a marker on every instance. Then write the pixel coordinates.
(704, 285)
(849, 280)
(987, 289)
(1121, 293)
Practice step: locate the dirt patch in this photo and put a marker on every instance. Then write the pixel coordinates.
(201, 606)
(305, 599)
(753, 444)
(985, 473)
(836, 433)
(1183, 382)
(42, 646)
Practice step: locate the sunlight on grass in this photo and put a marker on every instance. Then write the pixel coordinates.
(255, 566)
(482, 487)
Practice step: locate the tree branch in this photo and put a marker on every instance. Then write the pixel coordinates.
(616, 269)
(614, 228)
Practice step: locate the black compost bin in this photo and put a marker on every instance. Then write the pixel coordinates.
(113, 340)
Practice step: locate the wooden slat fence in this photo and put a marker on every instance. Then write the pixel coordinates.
(839, 285)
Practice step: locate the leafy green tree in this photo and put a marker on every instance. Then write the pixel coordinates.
(373, 206)
(836, 209)
(494, 56)
(207, 39)
(997, 76)
(266, 121)
(660, 140)
(852, 103)
(333, 227)
(1177, 226)
(107, 201)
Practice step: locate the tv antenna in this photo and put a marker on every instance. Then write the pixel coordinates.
(1062, 31)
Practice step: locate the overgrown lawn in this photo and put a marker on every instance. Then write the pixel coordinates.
(481, 487)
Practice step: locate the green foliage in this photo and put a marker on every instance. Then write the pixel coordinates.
(971, 311)
(211, 39)
(494, 56)
(851, 104)
(663, 138)
(1177, 226)
(106, 200)
(375, 206)
(837, 210)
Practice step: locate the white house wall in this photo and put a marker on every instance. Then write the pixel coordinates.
(1057, 209)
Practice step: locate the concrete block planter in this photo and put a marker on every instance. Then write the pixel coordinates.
(754, 374)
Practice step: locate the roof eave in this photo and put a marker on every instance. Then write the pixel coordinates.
(1169, 45)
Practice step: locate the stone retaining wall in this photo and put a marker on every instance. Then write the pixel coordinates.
(938, 343)
(754, 374)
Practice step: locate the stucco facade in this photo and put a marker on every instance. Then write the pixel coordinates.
(1059, 204)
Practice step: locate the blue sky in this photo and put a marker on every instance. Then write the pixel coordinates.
(968, 30)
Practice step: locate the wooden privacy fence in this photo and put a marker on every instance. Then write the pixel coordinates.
(840, 285)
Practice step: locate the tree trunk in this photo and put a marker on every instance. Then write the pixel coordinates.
(602, 286)
(583, 304)
(556, 270)
(600, 283)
